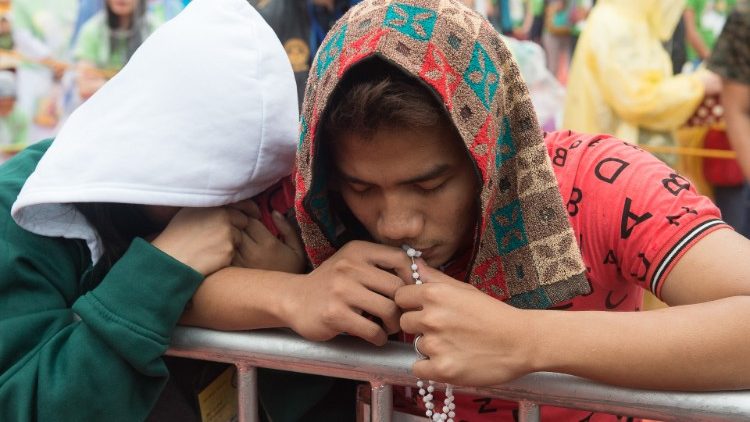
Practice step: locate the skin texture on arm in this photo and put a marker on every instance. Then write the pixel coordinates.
(331, 300)
(735, 97)
(692, 35)
(699, 344)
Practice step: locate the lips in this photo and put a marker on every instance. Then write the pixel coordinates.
(427, 252)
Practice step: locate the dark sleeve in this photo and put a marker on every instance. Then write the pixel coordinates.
(731, 55)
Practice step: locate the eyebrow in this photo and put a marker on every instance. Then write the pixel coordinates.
(435, 172)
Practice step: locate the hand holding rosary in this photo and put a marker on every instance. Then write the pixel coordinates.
(447, 413)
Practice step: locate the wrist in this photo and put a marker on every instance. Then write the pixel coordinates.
(289, 299)
(543, 352)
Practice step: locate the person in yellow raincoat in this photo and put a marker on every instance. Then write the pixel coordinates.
(621, 79)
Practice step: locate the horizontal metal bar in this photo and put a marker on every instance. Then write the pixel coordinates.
(347, 357)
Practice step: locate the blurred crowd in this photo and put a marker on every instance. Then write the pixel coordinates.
(632, 68)
(54, 54)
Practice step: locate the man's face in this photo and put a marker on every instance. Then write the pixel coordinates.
(122, 7)
(415, 187)
(6, 105)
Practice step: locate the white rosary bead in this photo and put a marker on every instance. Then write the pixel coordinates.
(448, 408)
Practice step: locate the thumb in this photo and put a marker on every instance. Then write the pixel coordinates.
(291, 238)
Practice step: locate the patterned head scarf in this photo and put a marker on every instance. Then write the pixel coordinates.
(525, 252)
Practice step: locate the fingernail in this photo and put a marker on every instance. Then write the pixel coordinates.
(277, 214)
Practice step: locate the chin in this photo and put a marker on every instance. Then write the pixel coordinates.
(437, 260)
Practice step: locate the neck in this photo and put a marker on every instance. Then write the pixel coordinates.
(124, 22)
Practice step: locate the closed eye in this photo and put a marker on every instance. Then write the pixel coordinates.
(359, 188)
(431, 189)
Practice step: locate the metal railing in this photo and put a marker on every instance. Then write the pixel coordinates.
(391, 364)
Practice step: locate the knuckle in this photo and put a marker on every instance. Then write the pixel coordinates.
(342, 265)
(372, 331)
(339, 287)
(446, 369)
(332, 314)
(393, 312)
(432, 292)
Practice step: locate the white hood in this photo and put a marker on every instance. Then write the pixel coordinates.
(204, 114)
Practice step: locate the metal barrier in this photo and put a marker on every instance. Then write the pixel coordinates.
(391, 365)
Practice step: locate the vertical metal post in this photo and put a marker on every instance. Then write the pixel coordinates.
(381, 406)
(247, 389)
(528, 411)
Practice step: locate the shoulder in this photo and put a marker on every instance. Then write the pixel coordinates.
(26, 256)
(95, 26)
(14, 172)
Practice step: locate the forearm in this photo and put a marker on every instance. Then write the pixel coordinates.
(695, 347)
(240, 299)
(738, 130)
(737, 114)
(692, 35)
(695, 41)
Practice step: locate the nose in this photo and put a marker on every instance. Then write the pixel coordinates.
(399, 221)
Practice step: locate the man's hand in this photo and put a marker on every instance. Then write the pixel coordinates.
(469, 337)
(711, 82)
(358, 279)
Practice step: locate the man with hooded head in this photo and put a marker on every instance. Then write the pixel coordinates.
(418, 131)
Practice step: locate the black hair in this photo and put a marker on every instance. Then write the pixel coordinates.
(376, 94)
(116, 225)
(134, 35)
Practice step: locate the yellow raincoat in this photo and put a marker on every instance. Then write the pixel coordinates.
(621, 80)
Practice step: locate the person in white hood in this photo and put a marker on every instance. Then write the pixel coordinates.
(108, 230)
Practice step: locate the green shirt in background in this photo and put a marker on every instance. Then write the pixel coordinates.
(93, 43)
(537, 7)
(14, 130)
(710, 16)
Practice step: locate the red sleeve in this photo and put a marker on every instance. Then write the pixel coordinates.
(634, 215)
(279, 197)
